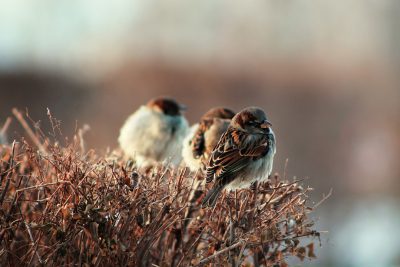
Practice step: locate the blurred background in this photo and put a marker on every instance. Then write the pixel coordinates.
(326, 72)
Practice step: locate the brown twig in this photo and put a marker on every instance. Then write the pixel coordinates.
(208, 259)
(28, 130)
(6, 124)
(324, 198)
(33, 241)
(8, 176)
(43, 185)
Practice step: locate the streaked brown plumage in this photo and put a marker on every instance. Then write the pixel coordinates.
(243, 155)
(204, 136)
(206, 122)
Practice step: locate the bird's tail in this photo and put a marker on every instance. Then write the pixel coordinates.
(212, 195)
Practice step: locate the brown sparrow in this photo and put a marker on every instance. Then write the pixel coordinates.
(204, 136)
(154, 133)
(243, 155)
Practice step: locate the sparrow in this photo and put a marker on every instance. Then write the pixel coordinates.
(204, 136)
(243, 155)
(154, 133)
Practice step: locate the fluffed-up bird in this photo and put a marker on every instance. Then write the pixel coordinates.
(243, 155)
(155, 133)
(204, 136)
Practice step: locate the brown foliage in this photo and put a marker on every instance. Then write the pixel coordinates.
(62, 206)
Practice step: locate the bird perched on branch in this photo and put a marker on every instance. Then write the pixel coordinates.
(243, 155)
(204, 136)
(155, 132)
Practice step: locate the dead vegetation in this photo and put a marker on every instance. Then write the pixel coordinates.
(60, 205)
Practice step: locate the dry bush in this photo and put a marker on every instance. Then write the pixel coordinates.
(61, 206)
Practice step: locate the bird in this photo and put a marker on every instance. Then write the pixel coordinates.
(204, 136)
(244, 154)
(155, 133)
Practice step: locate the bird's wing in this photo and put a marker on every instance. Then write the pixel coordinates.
(233, 152)
(198, 141)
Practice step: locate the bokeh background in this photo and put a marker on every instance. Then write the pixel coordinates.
(326, 72)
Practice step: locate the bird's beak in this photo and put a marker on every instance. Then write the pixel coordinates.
(265, 124)
(182, 107)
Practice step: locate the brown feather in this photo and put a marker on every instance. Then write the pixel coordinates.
(233, 153)
(198, 140)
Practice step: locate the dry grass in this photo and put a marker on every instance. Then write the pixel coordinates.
(62, 206)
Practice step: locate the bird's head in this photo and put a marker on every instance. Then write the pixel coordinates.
(167, 106)
(219, 113)
(252, 120)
